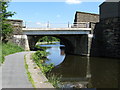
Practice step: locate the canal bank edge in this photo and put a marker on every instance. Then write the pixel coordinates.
(39, 80)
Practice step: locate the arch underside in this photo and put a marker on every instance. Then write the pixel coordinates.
(74, 44)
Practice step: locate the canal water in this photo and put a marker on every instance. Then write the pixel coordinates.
(83, 72)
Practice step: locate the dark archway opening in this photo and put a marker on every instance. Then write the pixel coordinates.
(64, 40)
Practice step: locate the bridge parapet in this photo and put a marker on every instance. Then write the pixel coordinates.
(59, 25)
(56, 31)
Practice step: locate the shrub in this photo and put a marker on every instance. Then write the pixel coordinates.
(40, 57)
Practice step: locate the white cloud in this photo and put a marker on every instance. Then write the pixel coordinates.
(73, 1)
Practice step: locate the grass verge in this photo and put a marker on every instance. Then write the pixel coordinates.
(28, 73)
(8, 48)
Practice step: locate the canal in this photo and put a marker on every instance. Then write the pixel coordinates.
(83, 72)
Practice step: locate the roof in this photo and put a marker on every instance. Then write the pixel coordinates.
(15, 20)
(109, 1)
(87, 13)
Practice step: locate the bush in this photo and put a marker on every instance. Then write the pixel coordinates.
(46, 68)
(40, 57)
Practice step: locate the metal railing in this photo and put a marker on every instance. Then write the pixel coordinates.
(58, 25)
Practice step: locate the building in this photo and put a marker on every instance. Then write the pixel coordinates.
(17, 24)
(84, 19)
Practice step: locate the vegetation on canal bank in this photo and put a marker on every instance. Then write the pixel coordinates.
(39, 58)
(9, 48)
(54, 79)
(28, 73)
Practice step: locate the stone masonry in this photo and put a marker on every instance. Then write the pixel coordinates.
(86, 17)
(106, 40)
(18, 25)
(17, 36)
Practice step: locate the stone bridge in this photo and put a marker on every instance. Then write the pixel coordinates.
(76, 40)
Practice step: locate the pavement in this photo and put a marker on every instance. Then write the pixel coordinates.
(14, 73)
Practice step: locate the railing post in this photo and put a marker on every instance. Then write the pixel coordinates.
(25, 24)
(48, 24)
(68, 24)
(88, 25)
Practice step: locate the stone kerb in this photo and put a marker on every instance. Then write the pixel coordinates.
(40, 81)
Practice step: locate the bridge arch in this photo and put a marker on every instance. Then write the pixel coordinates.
(69, 47)
(74, 44)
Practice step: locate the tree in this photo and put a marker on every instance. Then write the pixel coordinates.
(4, 14)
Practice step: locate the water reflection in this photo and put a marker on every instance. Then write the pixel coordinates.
(56, 55)
(105, 72)
(91, 72)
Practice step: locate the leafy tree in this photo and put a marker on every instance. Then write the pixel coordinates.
(48, 39)
(4, 14)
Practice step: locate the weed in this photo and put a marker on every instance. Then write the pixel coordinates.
(28, 73)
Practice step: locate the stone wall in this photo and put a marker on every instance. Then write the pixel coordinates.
(106, 40)
(17, 36)
(109, 9)
(86, 17)
(17, 26)
(21, 40)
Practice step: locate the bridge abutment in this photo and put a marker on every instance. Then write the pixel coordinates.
(82, 45)
(21, 40)
(77, 44)
(32, 40)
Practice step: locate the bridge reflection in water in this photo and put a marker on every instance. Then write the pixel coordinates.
(90, 72)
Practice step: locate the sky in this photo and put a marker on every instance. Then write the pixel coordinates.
(38, 14)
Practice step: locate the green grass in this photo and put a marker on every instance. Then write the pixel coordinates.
(28, 73)
(8, 48)
(1, 57)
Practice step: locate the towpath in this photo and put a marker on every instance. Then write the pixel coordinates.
(14, 73)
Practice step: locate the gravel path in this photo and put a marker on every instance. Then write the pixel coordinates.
(14, 73)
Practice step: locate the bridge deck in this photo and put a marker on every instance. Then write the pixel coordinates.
(55, 31)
